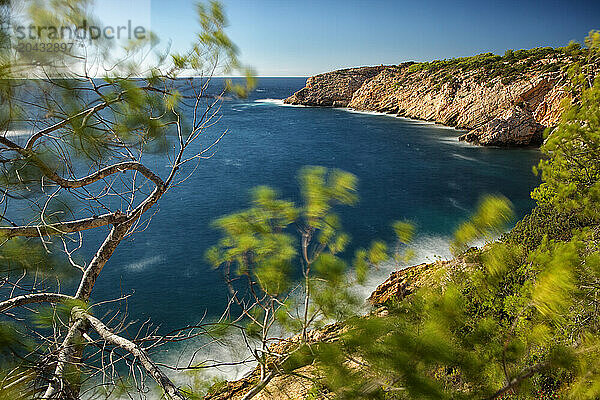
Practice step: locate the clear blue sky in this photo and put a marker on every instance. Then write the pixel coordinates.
(300, 38)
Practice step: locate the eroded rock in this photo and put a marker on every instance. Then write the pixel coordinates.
(495, 113)
(333, 89)
(516, 127)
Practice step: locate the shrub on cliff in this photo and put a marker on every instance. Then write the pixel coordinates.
(545, 221)
(509, 67)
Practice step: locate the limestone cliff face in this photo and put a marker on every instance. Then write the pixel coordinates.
(334, 89)
(494, 113)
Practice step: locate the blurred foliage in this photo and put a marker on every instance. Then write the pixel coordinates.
(275, 242)
(571, 173)
(508, 315)
(30, 256)
(545, 220)
(492, 217)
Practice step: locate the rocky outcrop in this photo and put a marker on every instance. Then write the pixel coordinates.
(515, 127)
(334, 89)
(403, 283)
(492, 111)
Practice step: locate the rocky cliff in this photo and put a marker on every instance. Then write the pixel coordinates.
(496, 107)
(334, 89)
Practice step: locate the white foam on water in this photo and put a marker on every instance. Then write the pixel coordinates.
(405, 119)
(232, 358)
(231, 348)
(449, 140)
(456, 204)
(228, 354)
(455, 142)
(194, 352)
(236, 358)
(353, 111)
(452, 128)
(233, 162)
(17, 133)
(278, 102)
(467, 158)
(145, 263)
(453, 185)
(417, 121)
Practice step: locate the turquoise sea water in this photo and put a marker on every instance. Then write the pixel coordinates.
(406, 170)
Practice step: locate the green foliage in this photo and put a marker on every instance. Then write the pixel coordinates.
(545, 220)
(20, 255)
(404, 231)
(571, 174)
(11, 340)
(321, 190)
(555, 287)
(573, 49)
(255, 242)
(214, 45)
(492, 216)
(512, 314)
(510, 67)
(259, 245)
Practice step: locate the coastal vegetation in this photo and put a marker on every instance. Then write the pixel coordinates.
(515, 63)
(518, 318)
(501, 100)
(511, 66)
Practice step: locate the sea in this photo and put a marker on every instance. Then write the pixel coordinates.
(407, 170)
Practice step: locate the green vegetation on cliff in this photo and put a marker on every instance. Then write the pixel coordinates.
(513, 64)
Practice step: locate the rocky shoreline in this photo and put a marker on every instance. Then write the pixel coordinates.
(494, 112)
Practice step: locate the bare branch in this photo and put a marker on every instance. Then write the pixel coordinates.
(62, 228)
(26, 299)
(163, 380)
(64, 122)
(66, 356)
(261, 385)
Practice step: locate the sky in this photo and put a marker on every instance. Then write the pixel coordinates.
(302, 38)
